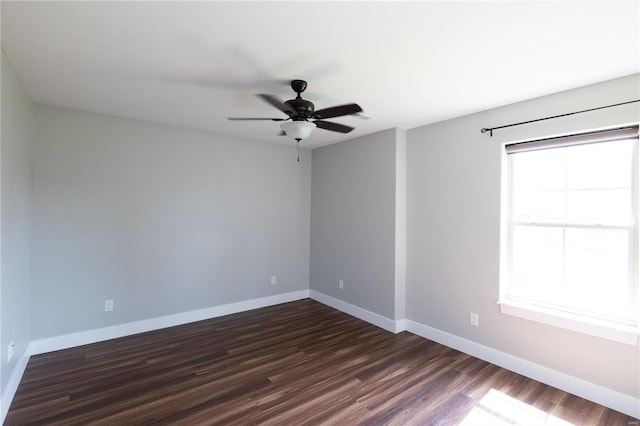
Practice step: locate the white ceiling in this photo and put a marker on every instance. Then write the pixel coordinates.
(406, 63)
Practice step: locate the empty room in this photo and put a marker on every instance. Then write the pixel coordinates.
(316, 213)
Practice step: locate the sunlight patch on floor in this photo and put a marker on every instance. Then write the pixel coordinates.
(498, 409)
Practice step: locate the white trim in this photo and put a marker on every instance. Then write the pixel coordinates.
(121, 330)
(604, 330)
(12, 385)
(599, 394)
(358, 312)
(587, 390)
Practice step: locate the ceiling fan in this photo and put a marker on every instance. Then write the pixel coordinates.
(302, 116)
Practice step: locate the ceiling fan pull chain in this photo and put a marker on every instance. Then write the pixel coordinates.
(298, 148)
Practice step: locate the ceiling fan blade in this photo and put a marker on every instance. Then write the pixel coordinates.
(334, 127)
(277, 103)
(337, 111)
(254, 118)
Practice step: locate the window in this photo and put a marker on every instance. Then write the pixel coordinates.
(571, 232)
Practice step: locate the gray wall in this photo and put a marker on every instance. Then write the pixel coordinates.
(353, 221)
(453, 233)
(160, 219)
(15, 226)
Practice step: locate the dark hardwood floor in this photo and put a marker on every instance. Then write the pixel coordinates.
(298, 363)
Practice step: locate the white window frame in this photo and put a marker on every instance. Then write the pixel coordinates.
(623, 333)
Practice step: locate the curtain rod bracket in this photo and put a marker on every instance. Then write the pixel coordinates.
(485, 130)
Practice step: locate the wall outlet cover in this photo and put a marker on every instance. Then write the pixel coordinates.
(473, 319)
(10, 349)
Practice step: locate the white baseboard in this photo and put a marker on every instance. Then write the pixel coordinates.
(358, 312)
(121, 330)
(97, 335)
(599, 394)
(12, 386)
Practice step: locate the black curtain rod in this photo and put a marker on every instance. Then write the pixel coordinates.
(491, 129)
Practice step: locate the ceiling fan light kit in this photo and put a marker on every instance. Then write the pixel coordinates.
(298, 130)
(299, 111)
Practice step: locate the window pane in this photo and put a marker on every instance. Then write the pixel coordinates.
(539, 170)
(599, 206)
(600, 165)
(537, 262)
(538, 185)
(597, 272)
(584, 184)
(583, 270)
(540, 206)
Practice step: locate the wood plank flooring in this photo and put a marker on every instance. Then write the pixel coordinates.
(299, 363)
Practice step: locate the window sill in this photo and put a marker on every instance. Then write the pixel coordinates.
(618, 333)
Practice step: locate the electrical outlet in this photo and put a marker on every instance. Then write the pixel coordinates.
(10, 349)
(273, 280)
(473, 319)
(108, 305)
(341, 284)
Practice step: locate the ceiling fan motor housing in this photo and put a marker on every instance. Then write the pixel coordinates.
(303, 108)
